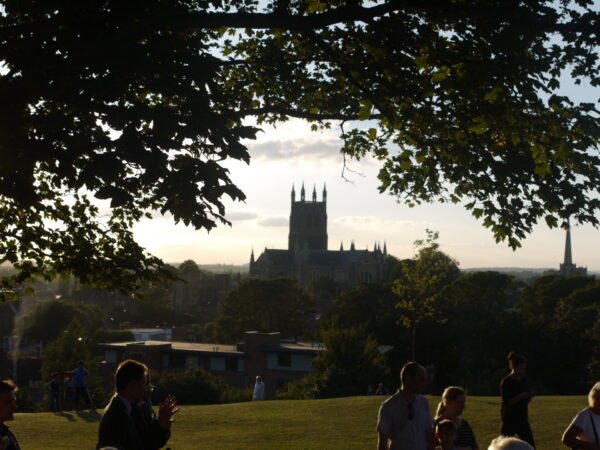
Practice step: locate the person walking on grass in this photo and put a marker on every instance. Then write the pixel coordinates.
(404, 421)
(515, 400)
(450, 408)
(8, 406)
(584, 430)
(121, 425)
(259, 390)
(81, 387)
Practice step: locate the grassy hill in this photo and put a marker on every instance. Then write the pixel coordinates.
(344, 423)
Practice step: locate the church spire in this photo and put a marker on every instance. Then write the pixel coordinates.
(293, 193)
(342, 246)
(352, 246)
(325, 192)
(568, 257)
(252, 256)
(314, 196)
(384, 248)
(302, 193)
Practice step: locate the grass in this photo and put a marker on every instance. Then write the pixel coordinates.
(344, 423)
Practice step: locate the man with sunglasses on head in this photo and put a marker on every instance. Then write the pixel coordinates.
(405, 421)
(121, 425)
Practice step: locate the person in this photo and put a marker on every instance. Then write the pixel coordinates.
(81, 390)
(515, 400)
(69, 391)
(445, 434)
(54, 386)
(259, 390)
(8, 406)
(509, 443)
(370, 390)
(381, 390)
(121, 425)
(584, 430)
(450, 408)
(404, 421)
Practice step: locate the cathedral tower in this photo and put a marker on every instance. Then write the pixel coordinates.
(308, 222)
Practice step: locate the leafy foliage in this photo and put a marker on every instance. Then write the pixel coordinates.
(264, 306)
(138, 104)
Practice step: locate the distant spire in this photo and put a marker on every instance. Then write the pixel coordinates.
(293, 193)
(302, 193)
(375, 246)
(568, 257)
(384, 248)
(342, 246)
(314, 196)
(252, 256)
(324, 192)
(352, 246)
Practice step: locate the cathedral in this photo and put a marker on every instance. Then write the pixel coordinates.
(567, 268)
(307, 258)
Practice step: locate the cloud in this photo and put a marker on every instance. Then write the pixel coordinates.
(240, 215)
(373, 221)
(313, 147)
(274, 221)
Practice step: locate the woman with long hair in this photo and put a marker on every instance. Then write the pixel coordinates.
(515, 400)
(584, 431)
(451, 408)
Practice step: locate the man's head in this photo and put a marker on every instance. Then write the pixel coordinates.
(8, 403)
(509, 443)
(131, 380)
(258, 378)
(80, 364)
(413, 377)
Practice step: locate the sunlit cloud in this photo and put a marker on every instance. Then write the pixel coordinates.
(274, 221)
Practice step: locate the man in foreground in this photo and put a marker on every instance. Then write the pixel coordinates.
(8, 405)
(405, 421)
(121, 425)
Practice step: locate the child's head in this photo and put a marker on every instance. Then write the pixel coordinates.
(445, 433)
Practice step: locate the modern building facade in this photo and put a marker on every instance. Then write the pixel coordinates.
(308, 259)
(277, 361)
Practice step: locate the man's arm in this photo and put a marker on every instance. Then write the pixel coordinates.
(382, 441)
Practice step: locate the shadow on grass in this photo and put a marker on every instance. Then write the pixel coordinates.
(67, 416)
(89, 416)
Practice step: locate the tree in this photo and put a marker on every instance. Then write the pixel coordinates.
(420, 290)
(350, 363)
(140, 103)
(263, 305)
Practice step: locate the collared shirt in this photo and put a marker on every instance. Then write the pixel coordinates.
(127, 404)
(404, 432)
(9, 440)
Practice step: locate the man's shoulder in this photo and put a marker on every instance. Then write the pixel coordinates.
(393, 400)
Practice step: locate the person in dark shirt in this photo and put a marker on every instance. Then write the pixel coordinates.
(515, 400)
(8, 405)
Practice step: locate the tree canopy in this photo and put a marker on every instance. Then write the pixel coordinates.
(140, 103)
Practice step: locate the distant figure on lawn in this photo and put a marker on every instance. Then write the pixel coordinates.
(450, 408)
(445, 434)
(381, 390)
(405, 421)
(81, 389)
(8, 405)
(121, 425)
(515, 400)
(54, 387)
(509, 443)
(259, 390)
(584, 431)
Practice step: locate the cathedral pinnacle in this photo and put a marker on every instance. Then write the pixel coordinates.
(314, 194)
(293, 193)
(302, 193)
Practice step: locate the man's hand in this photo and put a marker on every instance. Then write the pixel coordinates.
(166, 411)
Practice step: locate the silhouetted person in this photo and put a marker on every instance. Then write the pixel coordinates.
(381, 390)
(515, 400)
(81, 386)
(259, 390)
(405, 421)
(54, 387)
(121, 425)
(8, 405)
(584, 430)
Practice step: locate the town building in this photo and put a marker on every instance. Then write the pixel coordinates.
(277, 361)
(308, 259)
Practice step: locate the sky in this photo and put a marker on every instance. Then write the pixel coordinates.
(291, 155)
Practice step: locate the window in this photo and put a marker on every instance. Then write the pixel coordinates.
(177, 360)
(231, 364)
(284, 360)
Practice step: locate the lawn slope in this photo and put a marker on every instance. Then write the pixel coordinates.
(344, 423)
